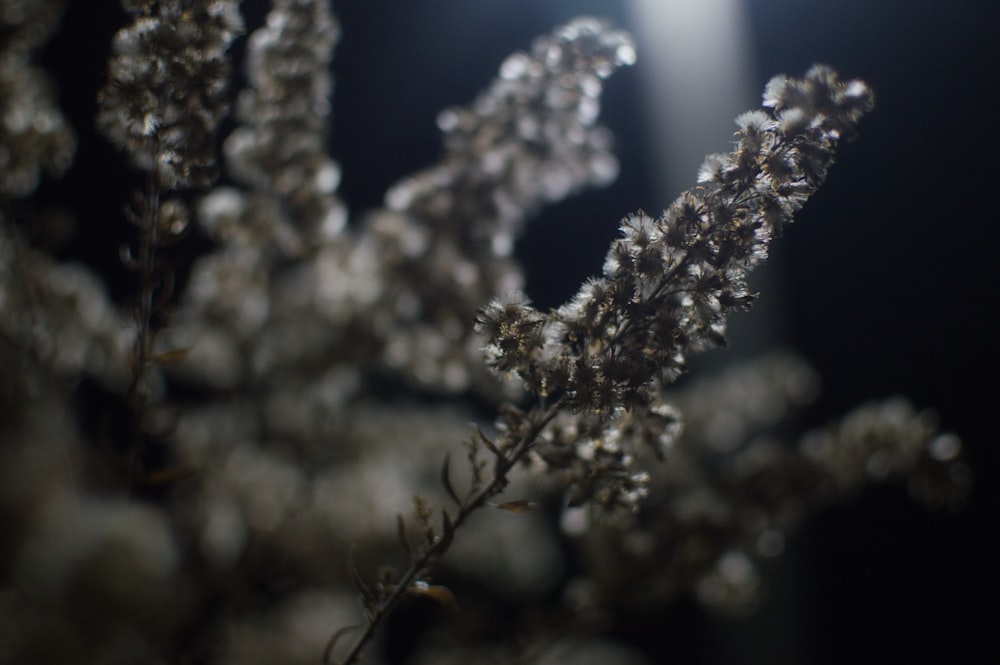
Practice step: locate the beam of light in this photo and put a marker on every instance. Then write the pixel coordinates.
(696, 58)
(698, 73)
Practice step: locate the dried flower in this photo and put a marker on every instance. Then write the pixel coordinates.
(296, 403)
(34, 136)
(167, 87)
(670, 281)
(285, 113)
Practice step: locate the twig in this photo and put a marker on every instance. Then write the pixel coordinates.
(431, 551)
(147, 221)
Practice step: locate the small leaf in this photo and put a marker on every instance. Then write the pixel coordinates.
(446, 479)
(501, 464)
(447, 531)
(489, 444)
(518, 506)
(441, 594)
(368, 597)
(127, 257)
(172, 356)
(401, 532)
(477, 466)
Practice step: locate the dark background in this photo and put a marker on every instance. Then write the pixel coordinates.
(888, 277)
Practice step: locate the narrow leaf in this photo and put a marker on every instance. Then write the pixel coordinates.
(401, 532)
(447, 531)
(489, 444)
(127, 258)
(446, 479)
(518, 506)
(441, 594)
(368, 597)
(172, 356)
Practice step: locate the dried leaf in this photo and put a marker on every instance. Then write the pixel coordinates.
(368, 597)
(446, 479)
(447, 530)
(172, 356)
(401, 532)
(486, 442)
(441, 594)
(518, 506)
(476, 464)
(127, 258)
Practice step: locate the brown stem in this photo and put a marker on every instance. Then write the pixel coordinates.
(428, 553)
(143, 350)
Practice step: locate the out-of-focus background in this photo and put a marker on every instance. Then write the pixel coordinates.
(886, 283)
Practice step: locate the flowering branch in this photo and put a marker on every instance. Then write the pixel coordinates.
(507, 451)
(447, 235)
(670, 282)
(166, 93)
(34, 136)
(298, 338)
(667, 288)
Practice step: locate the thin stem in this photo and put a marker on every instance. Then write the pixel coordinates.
(419, 563)
(142, 353)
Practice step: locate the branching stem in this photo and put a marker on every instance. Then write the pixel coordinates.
(428, 553)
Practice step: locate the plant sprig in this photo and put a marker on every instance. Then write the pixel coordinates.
(511, 448)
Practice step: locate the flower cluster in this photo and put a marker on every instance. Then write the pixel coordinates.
(167, 87)
(33, 132)
(298, 390)
(281, 146)
(670, 281)
(242, 308)
(59, 313)
(530, 139)
(731, 490)
(101, 573)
